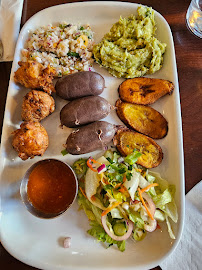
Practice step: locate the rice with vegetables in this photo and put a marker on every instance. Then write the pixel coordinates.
(66, 47)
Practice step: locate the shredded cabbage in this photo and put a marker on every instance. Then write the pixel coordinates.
(132, 185)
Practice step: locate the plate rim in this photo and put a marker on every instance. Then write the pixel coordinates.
(179, 133)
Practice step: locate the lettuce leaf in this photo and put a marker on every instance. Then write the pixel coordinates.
(159, 215)
(150, 178)
(92, 212)
(94, 215)
(170, 231)
(99, 233)
(162, 199)
(165, 197)
(171, 211)
(115, 213)
(136, 219)
(163, 184)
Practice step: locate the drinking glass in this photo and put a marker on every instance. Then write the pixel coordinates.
(194, 17)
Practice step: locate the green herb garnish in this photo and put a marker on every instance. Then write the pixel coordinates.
(63, 26)
(133, 157)
(110, 160)
(73, 54)
(64, 152)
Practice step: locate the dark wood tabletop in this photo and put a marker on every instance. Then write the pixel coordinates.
(188, 50)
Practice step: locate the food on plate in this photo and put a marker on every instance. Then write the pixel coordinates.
(67, 242)
(34, 75)
(123, 200)
(130, 49)
(36, 106)
(65, 47)
(90, 138)
(127, 140)
(84, 110)
(143, 119)
(82, 84)
(30, 140)
(144, 90)
(51, 186)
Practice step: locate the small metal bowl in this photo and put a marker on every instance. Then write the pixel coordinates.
(24, 196)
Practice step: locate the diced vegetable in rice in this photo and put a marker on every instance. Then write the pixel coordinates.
(66, 47)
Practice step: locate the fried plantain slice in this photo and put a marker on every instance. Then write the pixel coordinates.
(127, 140)
(143, 90)
(143, 119)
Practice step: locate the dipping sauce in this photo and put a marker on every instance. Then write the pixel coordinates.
(51, 186)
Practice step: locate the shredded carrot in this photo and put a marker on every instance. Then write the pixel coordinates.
(123, 189)
(118, 185)
(83, 192)
(105, 181)
(90, 162)
(105, 212)
(149, 186)
(93, 198)
(143, 202)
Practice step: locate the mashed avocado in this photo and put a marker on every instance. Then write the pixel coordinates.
(130, 49)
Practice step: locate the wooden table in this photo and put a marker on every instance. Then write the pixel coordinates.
(189, 63)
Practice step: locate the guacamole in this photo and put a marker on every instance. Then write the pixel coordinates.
(130, 49)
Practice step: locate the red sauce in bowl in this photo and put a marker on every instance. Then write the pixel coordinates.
(51, 186)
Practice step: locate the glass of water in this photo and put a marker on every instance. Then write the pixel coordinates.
(194, 17)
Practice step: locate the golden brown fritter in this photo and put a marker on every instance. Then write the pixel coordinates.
(36, 106)
(30, 140)
(33, 75)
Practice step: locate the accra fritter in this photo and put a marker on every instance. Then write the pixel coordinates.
(37, 105)
(30, 140)
(33, 75)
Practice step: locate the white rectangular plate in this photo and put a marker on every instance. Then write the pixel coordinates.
(38, 242)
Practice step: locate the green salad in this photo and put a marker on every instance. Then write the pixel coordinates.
(123, 200)
(130, 49)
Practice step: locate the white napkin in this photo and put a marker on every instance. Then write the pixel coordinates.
(188, 254)
(10, 18)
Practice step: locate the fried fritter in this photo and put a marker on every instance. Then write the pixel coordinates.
(143, 90)
(30, 140)
(143, 119)
(127, 140)
(33, 75)
(36, 106)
